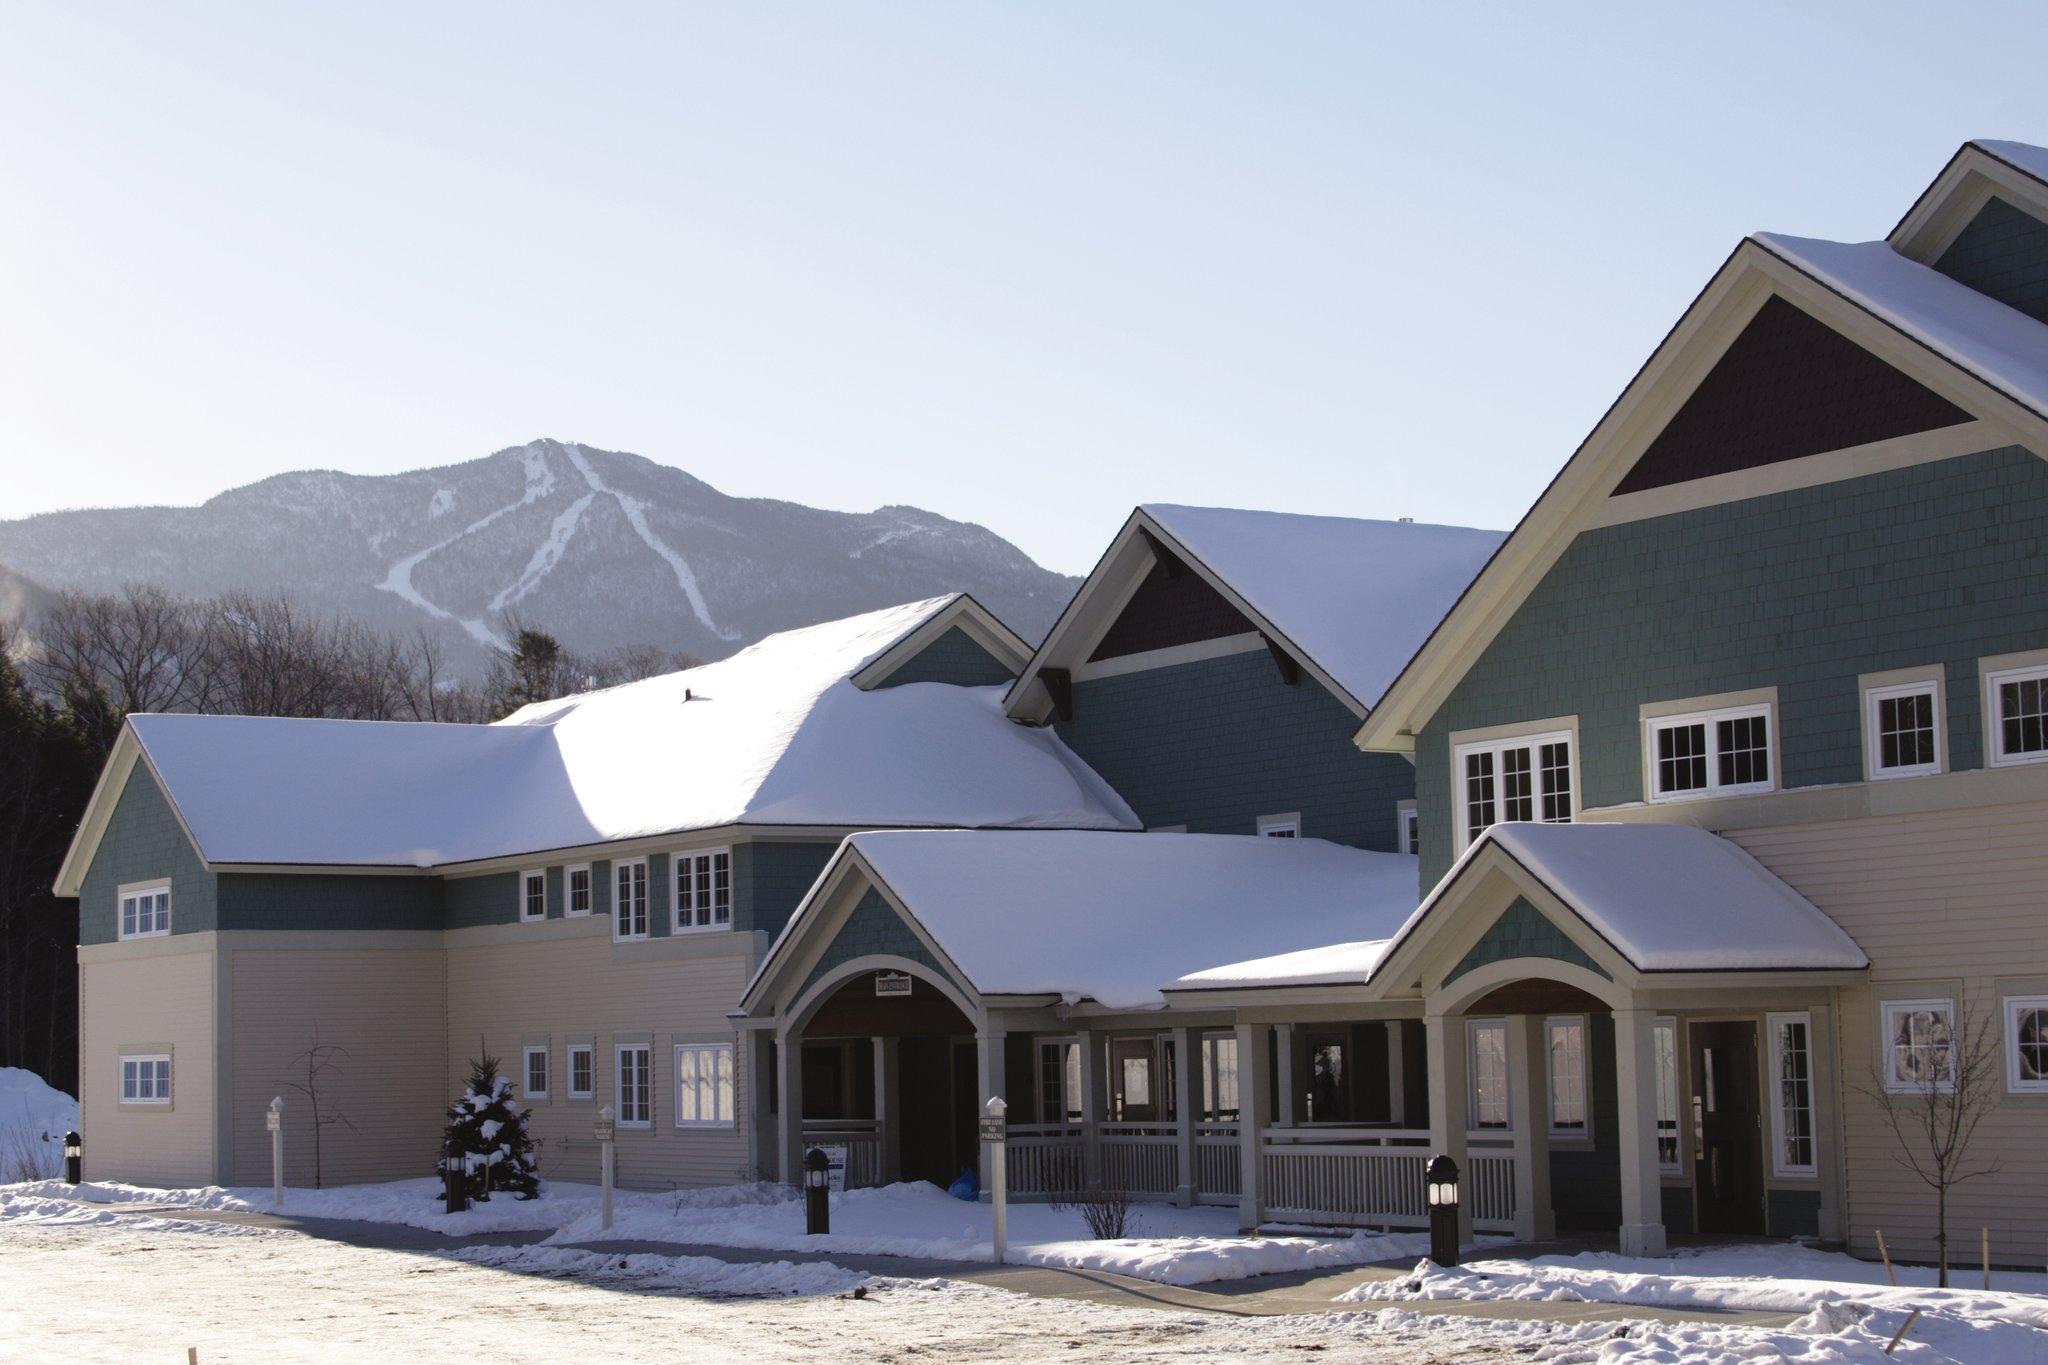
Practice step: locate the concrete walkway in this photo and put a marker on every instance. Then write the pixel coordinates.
(1308, 1291)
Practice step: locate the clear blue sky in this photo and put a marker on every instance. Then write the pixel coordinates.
(1023, 264)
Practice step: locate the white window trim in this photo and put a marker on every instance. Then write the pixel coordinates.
(526, 880)
(1407, 827)
(1270, 826)
(1871, 739)
(619, 1051)
(617, 867)
(676, 863)
(1779, 1166)
(1472, 1029)
(1885, 1010)
(676, 1073)
(1710, 721)
(569, 1074)
(132, 890)
(1528, 739)
(1994, 721)
(170, 1076)
(526, 1071)
(1676, 1166)
(1584, 1132)
(2012, 1005)
(569, 910)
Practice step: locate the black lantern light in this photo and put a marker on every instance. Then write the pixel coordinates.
(74, 1157)
(1442, 1182)
(817, 1193)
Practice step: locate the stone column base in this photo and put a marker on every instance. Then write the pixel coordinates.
(1642, 1239)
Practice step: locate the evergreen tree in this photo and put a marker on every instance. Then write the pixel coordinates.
(532, 671)
(490, 1133)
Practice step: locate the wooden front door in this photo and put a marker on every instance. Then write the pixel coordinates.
(1727, 1106)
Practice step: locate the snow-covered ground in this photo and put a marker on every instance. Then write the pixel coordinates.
(33, 1121)
(1851, 1298)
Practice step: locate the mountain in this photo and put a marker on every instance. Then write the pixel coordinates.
(601, 548)
(21, 598)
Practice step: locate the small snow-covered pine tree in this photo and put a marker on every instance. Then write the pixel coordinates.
(491, 1133)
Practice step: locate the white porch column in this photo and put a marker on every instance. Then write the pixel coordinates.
(1094, 1104)
(1254, 1103)
(991, 1081)
(1448, 1120)
(764, 1144)
(1635, 1082)
(1286, 1078)
(789, 1098)
(1187, 1094)
(1397, 1079)
(888, 1116)
(1827, 1120)
(1528, 1089)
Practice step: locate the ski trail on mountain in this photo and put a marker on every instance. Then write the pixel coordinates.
(636, 515)
(540, 481)
(547, 556)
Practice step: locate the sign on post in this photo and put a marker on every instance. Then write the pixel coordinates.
(606, 1130)
(273, 1119)
(994, 1131)
(835, 1166)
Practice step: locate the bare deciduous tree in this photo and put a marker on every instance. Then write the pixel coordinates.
(315, 1062)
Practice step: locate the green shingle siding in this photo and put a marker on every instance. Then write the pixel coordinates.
(769, 879)
(144, 841)
(1793, 1213)
(1217, 743)
(1585, 1181)
(1523, 931)
(470, 902)
(952, 658)
(278, 900)
(1802, 590)
(874, 928)
(2003, 253)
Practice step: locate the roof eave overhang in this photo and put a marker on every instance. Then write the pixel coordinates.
(128, 751)
(1955, 197)
(979, 624)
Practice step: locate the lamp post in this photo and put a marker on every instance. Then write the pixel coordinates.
(817, 1194)
(74, 1157)
(455, 1177)
(1442, 1179)
(273, 1119)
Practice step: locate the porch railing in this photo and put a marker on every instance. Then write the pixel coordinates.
(1140, 1158)
(1374, 1177)
(1047, 1159)
(1219, 1168)
(862, 1139)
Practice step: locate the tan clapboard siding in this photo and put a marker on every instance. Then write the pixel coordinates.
(502, 996)
(1957, 896)
(154, 998)
(385, 1009)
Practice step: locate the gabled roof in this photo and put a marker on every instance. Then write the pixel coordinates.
(1112, 917)
(1349, 599)
(776, 735)
(1981, 168)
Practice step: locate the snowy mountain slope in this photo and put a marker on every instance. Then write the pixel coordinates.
(599, 547)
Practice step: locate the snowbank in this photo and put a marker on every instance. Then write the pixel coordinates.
(701, 1275)
(34, 1118)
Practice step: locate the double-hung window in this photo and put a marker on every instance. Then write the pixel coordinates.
(1664, 1041)
(1566, 1037)
(1486, 1044)
(1919, 1046)
(704, 1085)
(1528, 777)
(1709, 753)
(1407, 829)
(576, 890)
(582, 1072)
(536, 1071)
(146, 1079)
(1902, 727)
(1219, 1078)
(2026, 1044)
(533, 895)
(145, 910)
(1791, 1094)
(2017, 701)
(635, 1082)
(629, 900)
(703, 890)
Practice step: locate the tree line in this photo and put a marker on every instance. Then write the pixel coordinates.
(72, 675)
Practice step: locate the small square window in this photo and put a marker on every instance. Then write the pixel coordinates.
(145, 911)
(146, 1080)
(1919, 1045)
(1280, 826)
(2026, 1044)
(1902, 729)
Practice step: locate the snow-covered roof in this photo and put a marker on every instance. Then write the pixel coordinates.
(1669, 898)
(2000, 345)
(1358, 597)
(1335, 964)
(2024, 155)
(1115, 917)
(775, 735)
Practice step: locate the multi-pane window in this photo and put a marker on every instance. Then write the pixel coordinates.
(1280, 826)
(1487, 1063)
(1713, 753)
(576, 889)
(2026, 1043)
(1919, 1045)
(1664, 1042)
(635, 1108)
(582, 1077)
(1219, 1077)
(1902, 727)
(533, 895)
(703, 890)
(629, 899)
(1791, 1094)
(1526, 778)
(1408, 830)
(1059, 1082)
(146, 1080)
(146, 911)
(536, 1059)
(704, 1085)
(2019, 700)
(1566, 1038)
